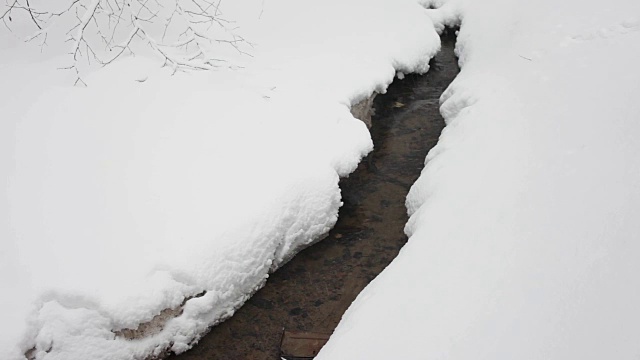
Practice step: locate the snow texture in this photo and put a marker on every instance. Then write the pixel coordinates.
(146, 207)
(524, 224)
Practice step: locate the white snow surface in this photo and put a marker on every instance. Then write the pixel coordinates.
(524, 228)
(145, 189)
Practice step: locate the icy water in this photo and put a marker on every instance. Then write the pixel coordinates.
(313, 290)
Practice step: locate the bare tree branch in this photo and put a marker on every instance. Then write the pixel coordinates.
(9, 9)
(181, 32)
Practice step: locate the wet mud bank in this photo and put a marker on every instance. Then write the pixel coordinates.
(314, 289)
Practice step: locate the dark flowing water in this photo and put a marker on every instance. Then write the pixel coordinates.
(313, 290)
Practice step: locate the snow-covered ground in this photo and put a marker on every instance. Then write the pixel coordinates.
(525, 223)
(145, 190)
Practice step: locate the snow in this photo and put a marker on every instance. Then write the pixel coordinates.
(165, 199)
(524, 223)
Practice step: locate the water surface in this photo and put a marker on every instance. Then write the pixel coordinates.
(313, 290)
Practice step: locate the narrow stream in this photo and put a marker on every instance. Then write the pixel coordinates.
(313, 290)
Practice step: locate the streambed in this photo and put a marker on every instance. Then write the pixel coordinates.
(313, 290)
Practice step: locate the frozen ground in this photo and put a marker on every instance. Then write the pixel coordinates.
(524, 224)
(147, 191)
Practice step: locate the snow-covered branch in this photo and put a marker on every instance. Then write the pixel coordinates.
(182, 32)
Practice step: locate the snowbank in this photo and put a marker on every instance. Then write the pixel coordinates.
(165, 200)
(524, 223)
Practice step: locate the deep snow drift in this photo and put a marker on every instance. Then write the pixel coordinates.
(524, 224)
(148, 191)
